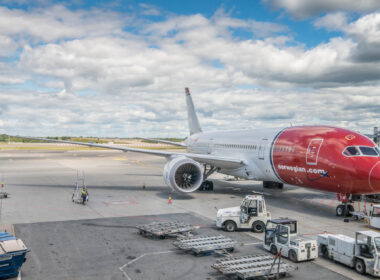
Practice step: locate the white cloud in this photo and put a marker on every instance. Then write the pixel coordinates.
(121, 84)
(57, 22)
(335, 21)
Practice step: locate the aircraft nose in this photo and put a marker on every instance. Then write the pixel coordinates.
(374, 177)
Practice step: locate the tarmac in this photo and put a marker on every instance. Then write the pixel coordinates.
(99, 240)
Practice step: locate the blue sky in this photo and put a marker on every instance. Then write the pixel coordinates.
(116, 68)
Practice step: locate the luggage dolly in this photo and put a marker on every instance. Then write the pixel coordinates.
(261, 266)
(161, 230)
(205, 244)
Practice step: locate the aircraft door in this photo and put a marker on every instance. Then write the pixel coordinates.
(313, 151)
(262, 147)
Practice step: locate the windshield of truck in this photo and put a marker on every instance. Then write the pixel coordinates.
(377, 243)
(293, 227)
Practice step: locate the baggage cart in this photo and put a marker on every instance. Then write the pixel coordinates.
(161, 230)
(260, 266)
(206, 244)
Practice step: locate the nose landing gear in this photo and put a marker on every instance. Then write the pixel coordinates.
(344, 209)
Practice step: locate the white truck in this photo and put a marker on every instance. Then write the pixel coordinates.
(251, 214)
(282, 234)
(361, 252)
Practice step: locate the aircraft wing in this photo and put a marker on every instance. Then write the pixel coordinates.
(165, 142)
(217, 161)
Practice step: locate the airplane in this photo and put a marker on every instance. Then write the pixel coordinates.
(323, 158)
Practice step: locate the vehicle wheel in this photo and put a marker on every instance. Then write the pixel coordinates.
(292, 256)
(230, 226)
(258, 226)
(324, 251)
(359, 266)
(273, 249)
(340, 210)
(265, 184)
(280, 186)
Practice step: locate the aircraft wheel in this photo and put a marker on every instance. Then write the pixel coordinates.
(209, 186)
(350, 209)
(340, 210)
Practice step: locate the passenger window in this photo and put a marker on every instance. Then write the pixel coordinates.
(368, 151)
(351, 151)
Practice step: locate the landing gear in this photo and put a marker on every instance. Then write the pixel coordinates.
(207, 186)
(344, 210)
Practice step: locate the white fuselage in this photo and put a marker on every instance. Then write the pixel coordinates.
(254, 146)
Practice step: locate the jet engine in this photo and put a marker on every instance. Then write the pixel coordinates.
(183, 174)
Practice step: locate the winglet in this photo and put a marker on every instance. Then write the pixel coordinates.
(194, 125)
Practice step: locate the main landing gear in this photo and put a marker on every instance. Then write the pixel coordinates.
(207, 185)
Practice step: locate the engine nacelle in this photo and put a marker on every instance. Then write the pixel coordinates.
(183, 174)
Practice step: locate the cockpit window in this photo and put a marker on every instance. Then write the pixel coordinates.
(351, 151)
(368, 151)
(361, 151)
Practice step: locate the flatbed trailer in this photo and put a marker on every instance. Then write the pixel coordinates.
(206, 244)
(161, 230)
(261, 266)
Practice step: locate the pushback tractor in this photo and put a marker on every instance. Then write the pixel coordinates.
(251, 214)
(282, 234)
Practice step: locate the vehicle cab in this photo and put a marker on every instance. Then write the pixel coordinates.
(282, 234)
(367, 249)
(251, 214)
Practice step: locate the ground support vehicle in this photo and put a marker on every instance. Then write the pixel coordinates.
(162, 230)
(282, 234)
(205, 244)
(251, 214)
(12, 255)
(361, 252)
(253, 267)
(371, 216)
(80, 184)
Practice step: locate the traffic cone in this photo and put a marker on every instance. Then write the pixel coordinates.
(170, 199)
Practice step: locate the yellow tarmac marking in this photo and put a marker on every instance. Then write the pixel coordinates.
(119, 158)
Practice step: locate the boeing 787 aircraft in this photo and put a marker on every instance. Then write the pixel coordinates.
(324, 158)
